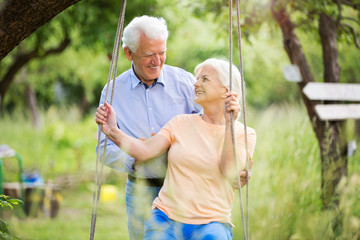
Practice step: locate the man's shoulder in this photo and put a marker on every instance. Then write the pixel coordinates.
(121, 81)
(124, 75)
(179, 72)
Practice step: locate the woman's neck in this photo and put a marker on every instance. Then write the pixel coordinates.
(214, 114)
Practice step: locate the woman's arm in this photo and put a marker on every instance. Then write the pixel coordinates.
(227, 161)
(138, 149)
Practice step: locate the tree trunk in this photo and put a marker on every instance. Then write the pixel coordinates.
(328, 34)
(357, 130)
(334, 166)
(18, 19)
(332, 146)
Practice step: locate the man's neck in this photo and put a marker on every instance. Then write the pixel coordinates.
(147, 82)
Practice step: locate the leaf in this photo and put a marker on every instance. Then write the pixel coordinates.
(15, 201)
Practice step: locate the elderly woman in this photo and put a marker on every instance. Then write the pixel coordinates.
(196, 199)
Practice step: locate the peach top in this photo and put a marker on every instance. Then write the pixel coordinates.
(195, 191)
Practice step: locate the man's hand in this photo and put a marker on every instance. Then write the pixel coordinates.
(106, 116)
(143, 139)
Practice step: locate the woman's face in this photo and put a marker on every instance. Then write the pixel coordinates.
(208, 87)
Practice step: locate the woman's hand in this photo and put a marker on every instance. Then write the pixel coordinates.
(106, 116)
(231, 104)
(243, 178)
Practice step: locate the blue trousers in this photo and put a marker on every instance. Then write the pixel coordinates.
(138, 200)
(160, 227)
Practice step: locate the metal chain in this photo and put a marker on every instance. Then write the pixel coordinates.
(112, 75)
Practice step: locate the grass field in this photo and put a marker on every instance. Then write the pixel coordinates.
(284, 199)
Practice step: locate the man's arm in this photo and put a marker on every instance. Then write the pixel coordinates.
(114, 157)
(140, 150)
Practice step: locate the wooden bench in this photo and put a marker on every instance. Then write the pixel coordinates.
(333, 101)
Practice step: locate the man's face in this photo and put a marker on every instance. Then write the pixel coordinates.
(148, 59)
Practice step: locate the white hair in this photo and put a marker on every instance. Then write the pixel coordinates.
(222, 69)
(153, 28)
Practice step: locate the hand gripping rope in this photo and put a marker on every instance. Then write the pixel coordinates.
(244, 222)
(112, 75)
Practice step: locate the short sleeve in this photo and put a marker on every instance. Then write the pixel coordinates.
(240, 140)
(167, 131)
(251, 137)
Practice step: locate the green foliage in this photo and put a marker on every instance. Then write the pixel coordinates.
(6, 201)
(5, 232)
(198, 30)
(62, 146)
(91, 26)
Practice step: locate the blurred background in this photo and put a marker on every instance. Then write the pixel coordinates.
(48, 106)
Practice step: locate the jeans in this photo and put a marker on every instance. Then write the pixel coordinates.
(138, 199)
(160, 227)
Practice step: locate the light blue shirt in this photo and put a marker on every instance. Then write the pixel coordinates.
(142, 110)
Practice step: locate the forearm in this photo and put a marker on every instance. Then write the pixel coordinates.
(130, 145)
(114, 157)
(227, 160)
(138, 149)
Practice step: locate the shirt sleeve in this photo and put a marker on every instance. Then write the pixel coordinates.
(114, 157)
(168, 130)
(241, 150)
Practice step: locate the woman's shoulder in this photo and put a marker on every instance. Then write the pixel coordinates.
(249, 130)
(185, 117)
(182, 121)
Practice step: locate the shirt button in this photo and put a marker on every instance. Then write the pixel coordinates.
(150, 109)
(147, 90)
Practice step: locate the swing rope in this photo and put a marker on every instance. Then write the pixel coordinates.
(112, 75)
(247, 166)
(245, 223)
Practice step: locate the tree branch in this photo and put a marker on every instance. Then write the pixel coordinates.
(22, 59)
(351, 4)
(18, 19)
(348, 3)
(351, 19)
(350, 30)
(61, 47)
(340, 12)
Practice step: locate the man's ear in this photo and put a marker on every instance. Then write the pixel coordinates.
(127, 53)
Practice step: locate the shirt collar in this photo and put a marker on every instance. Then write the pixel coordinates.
(136, 82)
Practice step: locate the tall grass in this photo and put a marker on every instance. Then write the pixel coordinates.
(284, 199)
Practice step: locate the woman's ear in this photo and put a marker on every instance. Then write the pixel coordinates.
(224, 95)
(127, 53)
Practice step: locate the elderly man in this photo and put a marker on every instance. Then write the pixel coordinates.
(146, 97)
